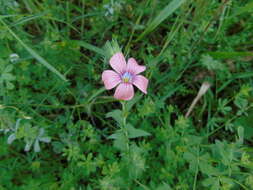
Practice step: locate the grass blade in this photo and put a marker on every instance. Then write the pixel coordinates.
(167, 11)
(90, 47)
(229, 55)
(236, 76)
(34, 54)
(27, 18)
(246, 9)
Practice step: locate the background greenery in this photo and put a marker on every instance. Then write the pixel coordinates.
(60, 129)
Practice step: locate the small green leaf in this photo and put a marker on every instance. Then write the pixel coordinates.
(209, 181)
(36, 146)
(213, 182)
(207, 168)
(9, 85)
(164, 186)
(246, 123)
(120, 141)
(114, 136)
(8, 69)
(116, 115)
(135, 133)
(11, 138)
(192, 159)
(45, 139)
(28, 145)
(222, 106)
(241, 102)
(211, 64)
(240, 132)
(8, 76)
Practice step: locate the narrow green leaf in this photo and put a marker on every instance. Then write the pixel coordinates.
(167, 11)
(236, 76)
(247, 8)
(90, 47)
(229, 55)
(240, 132)
(8, 16)
(27, 19)
(243, 75)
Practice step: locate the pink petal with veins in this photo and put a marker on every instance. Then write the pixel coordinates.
(141, 82)
(133, 67)
(110, 79)
(124, 91)
(118, 62)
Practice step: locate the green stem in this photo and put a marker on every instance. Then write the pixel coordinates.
(23, 115)
(123, 103)
(196, 172)
(243, 186)
(124, 129)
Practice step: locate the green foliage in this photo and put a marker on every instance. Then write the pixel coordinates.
(6, 77)
(72, 134)
(167, 11)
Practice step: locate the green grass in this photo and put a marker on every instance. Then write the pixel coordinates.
(52, 55)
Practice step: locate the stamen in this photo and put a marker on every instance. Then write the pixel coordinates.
(126, 77)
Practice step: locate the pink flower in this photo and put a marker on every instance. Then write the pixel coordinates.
(124, 77)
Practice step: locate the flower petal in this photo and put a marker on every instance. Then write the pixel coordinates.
(110, 79)
(124, 91)
(133, 67)
(118, 62)
(141, 82)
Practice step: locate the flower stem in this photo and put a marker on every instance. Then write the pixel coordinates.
(124, 129)
(124, 124)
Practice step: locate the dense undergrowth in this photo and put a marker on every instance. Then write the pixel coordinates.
(60, 129)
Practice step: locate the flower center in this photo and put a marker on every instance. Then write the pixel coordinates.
(127, 77)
